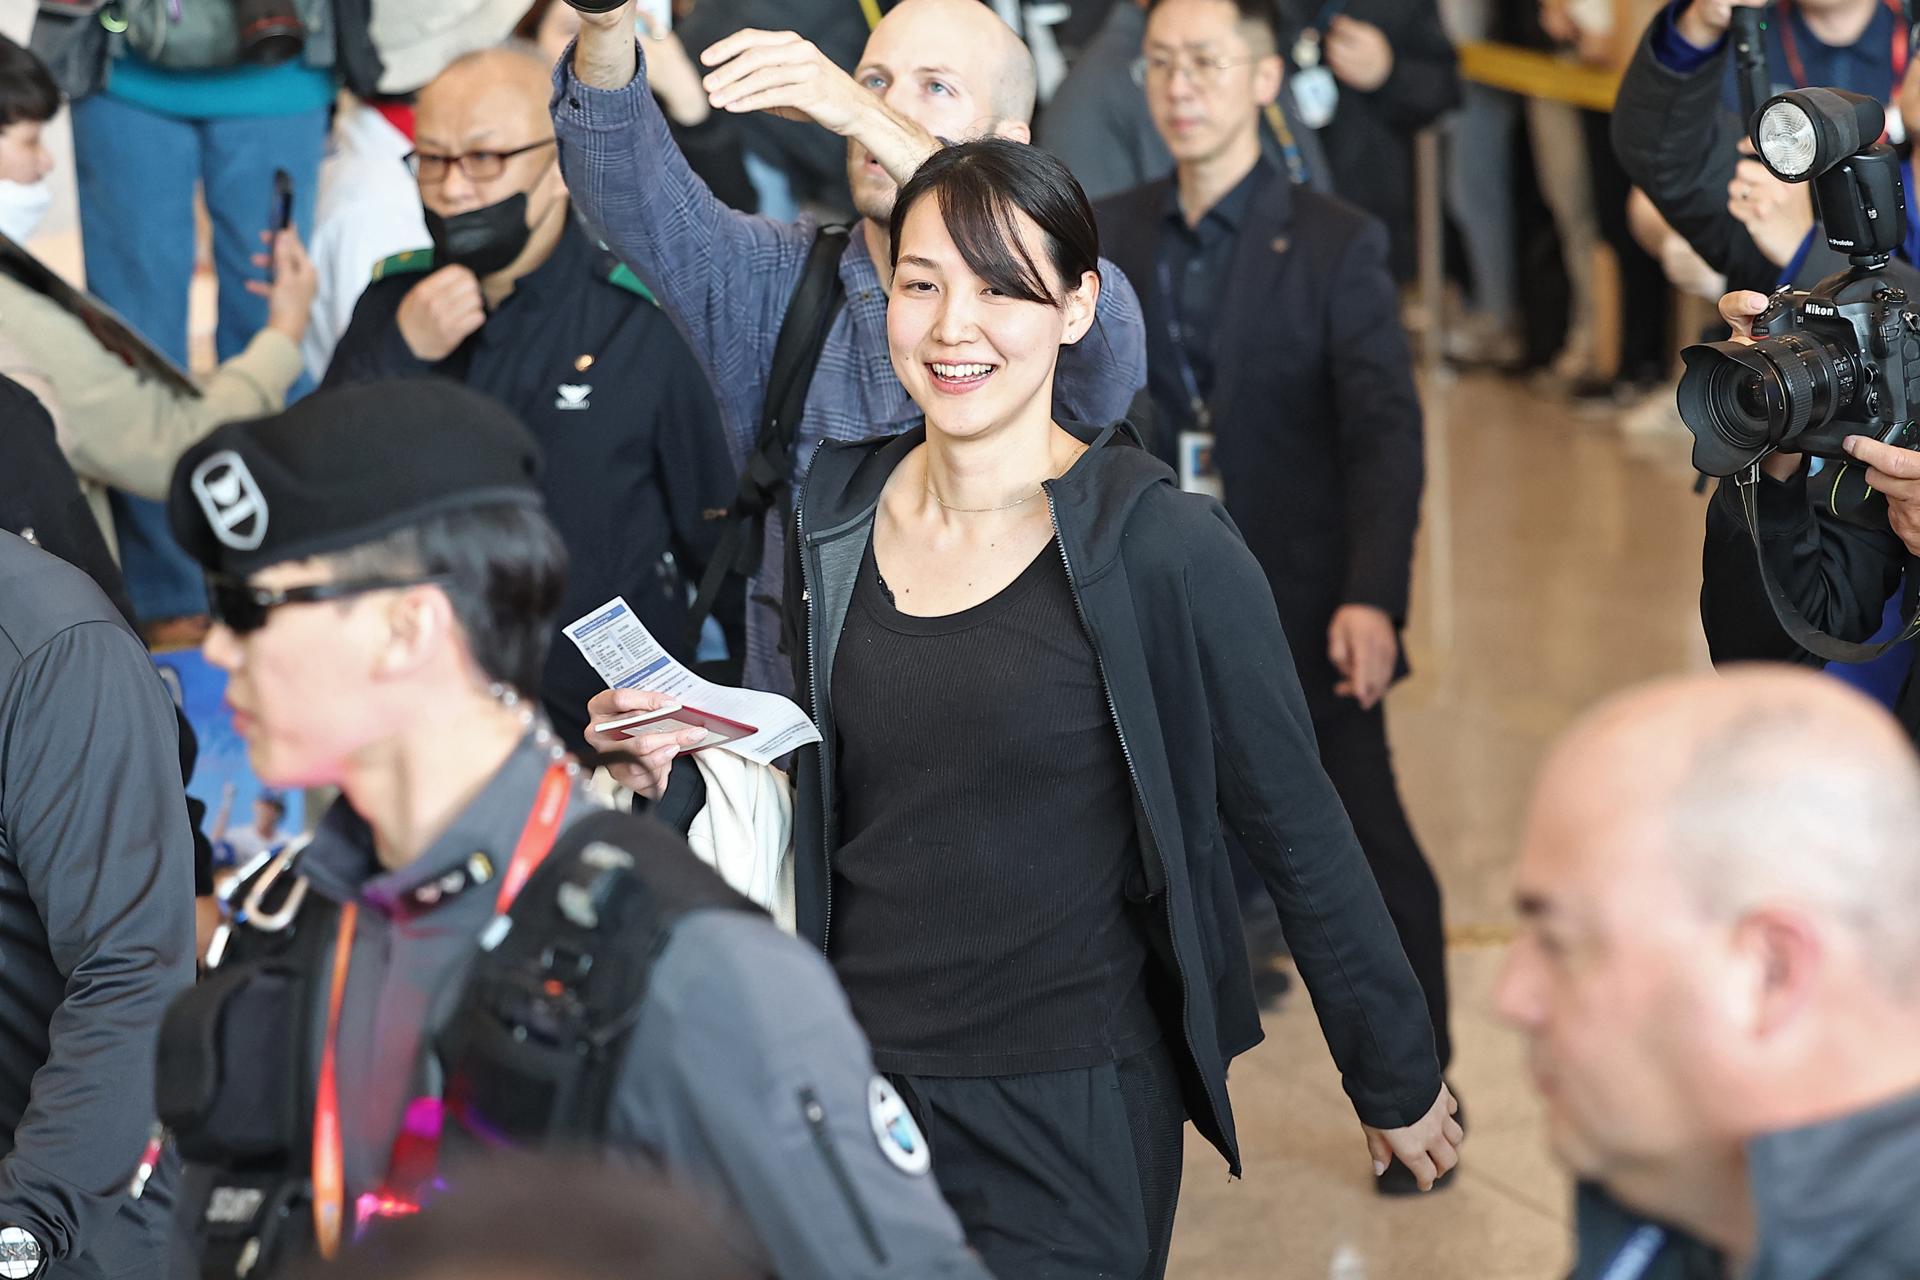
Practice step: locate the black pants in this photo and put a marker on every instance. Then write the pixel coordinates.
(1060, 1175)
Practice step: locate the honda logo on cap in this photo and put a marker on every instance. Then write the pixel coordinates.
(232, 500)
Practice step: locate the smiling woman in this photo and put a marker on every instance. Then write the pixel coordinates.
(1044, 678)
(995, 269)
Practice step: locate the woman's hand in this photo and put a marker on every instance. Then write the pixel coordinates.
(649, 756)
(1429, 1147)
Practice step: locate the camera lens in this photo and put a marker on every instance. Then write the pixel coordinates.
(270, 31)
(1741, 401)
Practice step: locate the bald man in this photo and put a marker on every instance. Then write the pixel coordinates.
(933, 71)
(1719, 978)
(516, 299)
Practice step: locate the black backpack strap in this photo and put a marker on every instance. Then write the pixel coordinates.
(768, 472)
(533, 1049)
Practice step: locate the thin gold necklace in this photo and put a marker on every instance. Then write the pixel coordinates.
(976, 511)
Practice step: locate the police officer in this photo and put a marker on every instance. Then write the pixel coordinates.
(516, 300)
(469, 951)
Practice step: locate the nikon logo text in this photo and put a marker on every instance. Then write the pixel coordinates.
(1815, 309)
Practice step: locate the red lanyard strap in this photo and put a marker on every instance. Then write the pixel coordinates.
(329, 1172)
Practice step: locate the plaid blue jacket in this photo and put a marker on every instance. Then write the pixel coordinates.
(725, 278)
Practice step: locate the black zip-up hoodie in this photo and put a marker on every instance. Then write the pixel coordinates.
(1217, 738)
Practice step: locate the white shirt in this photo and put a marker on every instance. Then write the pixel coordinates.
(367, 210)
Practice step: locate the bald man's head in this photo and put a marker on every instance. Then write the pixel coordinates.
(509, 72)
(483, 136)
(1761, 784)
(953, 68)
(1720, 879)
(995, 49)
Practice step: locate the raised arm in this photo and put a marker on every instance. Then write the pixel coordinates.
(724, 277)
(125, 429)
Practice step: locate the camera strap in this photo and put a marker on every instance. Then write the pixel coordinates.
(1792, 621)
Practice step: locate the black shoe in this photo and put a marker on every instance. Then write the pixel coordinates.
(1398, 1180)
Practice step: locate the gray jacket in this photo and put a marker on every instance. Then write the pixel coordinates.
(96, 915)
(739, 1021)
(1833, 1201)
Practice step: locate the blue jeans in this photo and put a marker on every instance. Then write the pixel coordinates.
(136, 170)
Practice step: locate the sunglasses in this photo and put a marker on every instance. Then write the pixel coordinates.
(241, 607)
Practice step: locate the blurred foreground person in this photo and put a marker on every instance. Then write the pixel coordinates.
(96, 919)
(1721, 890)
(543, 1219)
(470, 953)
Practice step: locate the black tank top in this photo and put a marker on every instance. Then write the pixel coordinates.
(980, 922)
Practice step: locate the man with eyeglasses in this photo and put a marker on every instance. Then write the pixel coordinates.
(471, 953)
(1280, 377)
(515, 298)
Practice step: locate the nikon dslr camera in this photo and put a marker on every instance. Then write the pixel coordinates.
(1841, 359)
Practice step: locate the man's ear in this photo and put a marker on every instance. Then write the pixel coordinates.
(1013, 130)
(419, 622)
(1267, 79)
(1082, 307)
(1782, 955)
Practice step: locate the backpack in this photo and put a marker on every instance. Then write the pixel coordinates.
(768, 473)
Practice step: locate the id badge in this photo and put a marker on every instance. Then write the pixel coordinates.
(1197, 471)
(1316, 95)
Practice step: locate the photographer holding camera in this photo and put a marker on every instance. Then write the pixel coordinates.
(1795, 568)
(1677, 125)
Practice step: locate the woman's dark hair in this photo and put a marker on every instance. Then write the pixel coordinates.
(504, 571)
(27, 90)
(980, 187)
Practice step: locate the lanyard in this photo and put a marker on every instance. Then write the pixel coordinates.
(1289, 146)
(1798, 70)
(1189, 382)
(1636, 1255)
(329, 1175)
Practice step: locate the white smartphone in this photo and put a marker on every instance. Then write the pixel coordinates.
(637, 718)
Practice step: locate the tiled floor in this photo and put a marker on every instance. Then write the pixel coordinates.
(1559, 561)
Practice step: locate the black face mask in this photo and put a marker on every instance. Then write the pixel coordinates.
(482, 240)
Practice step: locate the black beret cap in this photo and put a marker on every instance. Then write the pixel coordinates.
(344, 467)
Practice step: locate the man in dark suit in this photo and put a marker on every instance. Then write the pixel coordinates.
(1274, 343)
(1396, 73)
